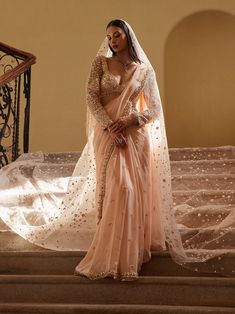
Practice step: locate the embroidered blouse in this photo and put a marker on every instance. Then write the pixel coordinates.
(102, 82)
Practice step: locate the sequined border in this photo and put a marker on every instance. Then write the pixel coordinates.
(126, 276)
(103, 180)
(126, 110)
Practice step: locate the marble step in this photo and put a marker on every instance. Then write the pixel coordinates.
(225, 238)
(194, 291)
(181, 167)
(202, 181)
(48, 262)
(201, 217)
(73, 308)
(11, 241)
(202, 153)
(203, 197)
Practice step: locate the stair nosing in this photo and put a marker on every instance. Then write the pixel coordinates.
(100, 306)
(72, 279)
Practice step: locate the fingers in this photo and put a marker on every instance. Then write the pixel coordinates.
(118, 130)
(120, 141)
(122, 145)
(116, 127)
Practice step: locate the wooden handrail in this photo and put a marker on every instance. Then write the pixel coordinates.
(28, 60)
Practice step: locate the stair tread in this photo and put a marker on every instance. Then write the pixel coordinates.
(171, 280)
(201, 161)
(107, 306)
(204, 191)
(63, 253)
(203, 175)
(51, 253)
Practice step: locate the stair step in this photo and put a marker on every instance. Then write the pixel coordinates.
(64, 263)
(205, 196)
(201, 217)
(71, 308)
(10, 241)
(36, 280)
(203, 291)
(203, 167)
(200, 153)
(199, 182)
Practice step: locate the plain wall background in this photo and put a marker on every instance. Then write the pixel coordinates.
(65, 36)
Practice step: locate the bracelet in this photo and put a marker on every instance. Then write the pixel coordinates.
(139, 121)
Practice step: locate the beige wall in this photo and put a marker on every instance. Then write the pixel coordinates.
(65, 35)
(199, 80)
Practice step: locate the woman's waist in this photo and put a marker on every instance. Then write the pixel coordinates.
(116, 108)
(108, 99)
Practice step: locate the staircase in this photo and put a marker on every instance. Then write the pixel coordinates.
(43, 282)
(35, 280)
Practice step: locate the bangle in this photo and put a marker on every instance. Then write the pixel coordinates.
(139, 121)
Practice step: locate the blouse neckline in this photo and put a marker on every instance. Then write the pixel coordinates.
(115, 76)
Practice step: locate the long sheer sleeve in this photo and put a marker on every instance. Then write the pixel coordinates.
(152, 99)
(93, 94)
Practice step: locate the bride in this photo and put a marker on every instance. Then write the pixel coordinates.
(129, 215)
(117, 204)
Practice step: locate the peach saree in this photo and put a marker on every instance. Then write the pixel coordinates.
(131, 223)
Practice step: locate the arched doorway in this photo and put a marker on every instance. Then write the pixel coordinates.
(199, 81)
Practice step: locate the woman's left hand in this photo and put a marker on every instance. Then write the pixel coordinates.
(117, 126)
(122, 123)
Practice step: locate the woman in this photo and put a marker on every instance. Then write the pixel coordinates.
(133, 190)
(117, 204)
(129, 218)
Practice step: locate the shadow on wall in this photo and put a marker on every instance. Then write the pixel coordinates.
(199, 73)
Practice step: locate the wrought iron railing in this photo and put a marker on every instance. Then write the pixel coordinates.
(15, 86)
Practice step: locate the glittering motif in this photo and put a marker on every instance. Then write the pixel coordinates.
(103, 179)
(93, 94)
(125, 276)
(151, 96)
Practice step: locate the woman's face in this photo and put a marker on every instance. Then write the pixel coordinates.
(117, 38)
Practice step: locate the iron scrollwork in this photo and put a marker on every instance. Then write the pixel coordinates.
(14, 94)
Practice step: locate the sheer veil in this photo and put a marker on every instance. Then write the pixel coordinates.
(52, 207)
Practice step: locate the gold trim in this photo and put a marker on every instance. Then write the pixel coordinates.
(103, 180)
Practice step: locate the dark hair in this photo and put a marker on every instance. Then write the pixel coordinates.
(121, 24)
